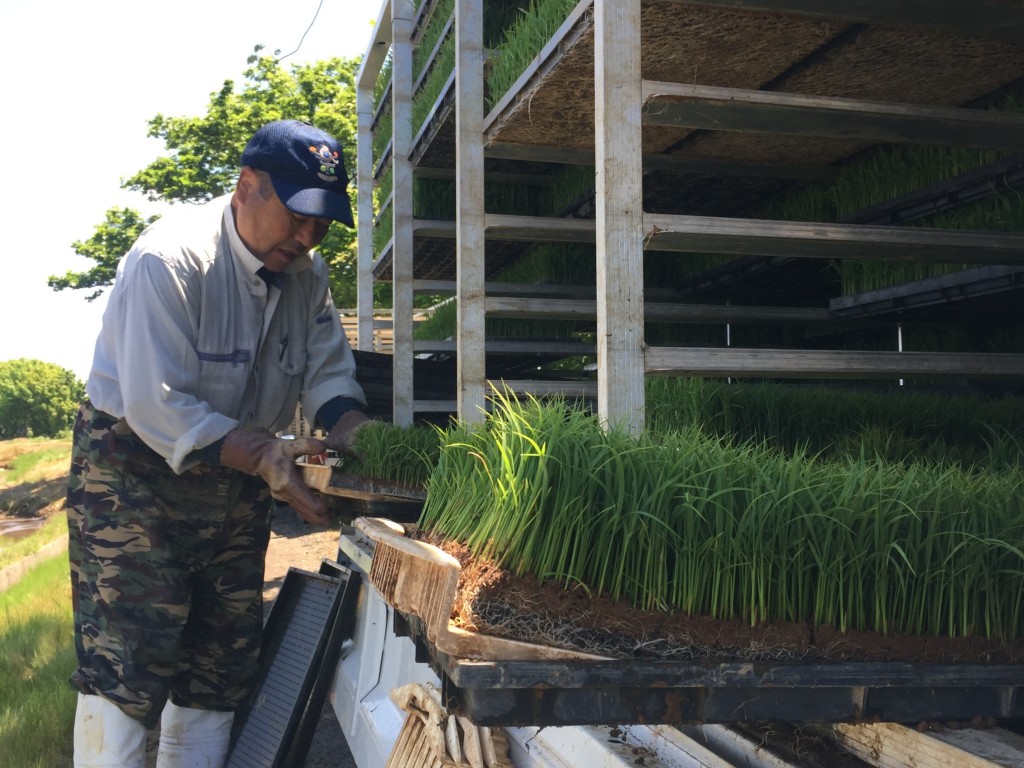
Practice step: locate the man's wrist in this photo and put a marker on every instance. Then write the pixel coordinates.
(209, 454)
(332, 411)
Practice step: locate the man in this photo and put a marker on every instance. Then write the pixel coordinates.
(219, 322)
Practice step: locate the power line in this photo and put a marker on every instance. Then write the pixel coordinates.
(301, 39)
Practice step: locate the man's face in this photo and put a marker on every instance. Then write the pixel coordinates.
(275, 235)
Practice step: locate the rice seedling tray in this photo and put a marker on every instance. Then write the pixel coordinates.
(328, 480)
(496, 681)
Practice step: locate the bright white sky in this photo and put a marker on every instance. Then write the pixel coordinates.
(80, 82)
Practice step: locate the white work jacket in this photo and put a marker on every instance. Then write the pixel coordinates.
(194, 342)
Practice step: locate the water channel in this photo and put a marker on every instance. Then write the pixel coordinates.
(14, 528)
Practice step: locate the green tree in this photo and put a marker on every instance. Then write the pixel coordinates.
(109, 242)
(37, 399)
(203, 155)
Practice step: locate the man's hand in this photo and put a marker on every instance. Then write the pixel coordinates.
(342, 437)
(258, 452)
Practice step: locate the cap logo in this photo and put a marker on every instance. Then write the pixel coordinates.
(328, 162)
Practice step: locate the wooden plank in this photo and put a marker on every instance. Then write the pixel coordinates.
(508, 289)
(547, 229)
(764, 237)
(708, 234)
(734, 109)
(829, 364)
(619, 220)
(889, 745)
(533, 289)
(518, 228)
(403, 13)
(542, 348)
(364, 219)
(544, 388)
(738, 748)
(469, 203)
(436, 406)
(436, 228)
(580, 309)
(997, 746)
(997, 21)
(667, 163)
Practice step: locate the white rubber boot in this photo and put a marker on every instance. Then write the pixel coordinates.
(193, 738)
(105, 737)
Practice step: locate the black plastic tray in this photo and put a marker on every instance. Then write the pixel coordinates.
(623, 692)
(311, 616)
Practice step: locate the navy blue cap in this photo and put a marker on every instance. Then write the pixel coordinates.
(305, 166)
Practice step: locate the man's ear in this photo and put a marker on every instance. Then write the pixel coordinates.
(248, 184)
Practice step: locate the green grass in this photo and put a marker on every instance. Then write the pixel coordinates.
(37, 655)
(28, 466)
(29, 459)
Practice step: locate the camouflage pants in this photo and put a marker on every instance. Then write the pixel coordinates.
(166, 574)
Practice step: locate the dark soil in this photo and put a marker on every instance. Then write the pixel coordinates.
(494, 601)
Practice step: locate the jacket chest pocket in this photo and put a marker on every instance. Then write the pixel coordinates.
(223, 375)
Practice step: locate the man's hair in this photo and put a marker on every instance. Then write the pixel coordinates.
(266, 188)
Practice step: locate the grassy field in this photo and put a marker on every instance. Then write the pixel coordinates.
(36, 638)
(37, 654)
(33, 474)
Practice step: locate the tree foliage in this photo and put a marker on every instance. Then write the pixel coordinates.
(37, 399)
(203, 159)
(108, 244)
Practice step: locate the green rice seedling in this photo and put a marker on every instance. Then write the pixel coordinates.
(734, 529)
(434, 84)
(383, 230)
(523, 41)
(894, 425)
(428, 36)
(433, 199)
(382, 135)
(380, 85)
(404, 455)
(382, 190)
(441, 324)
(569, 184)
